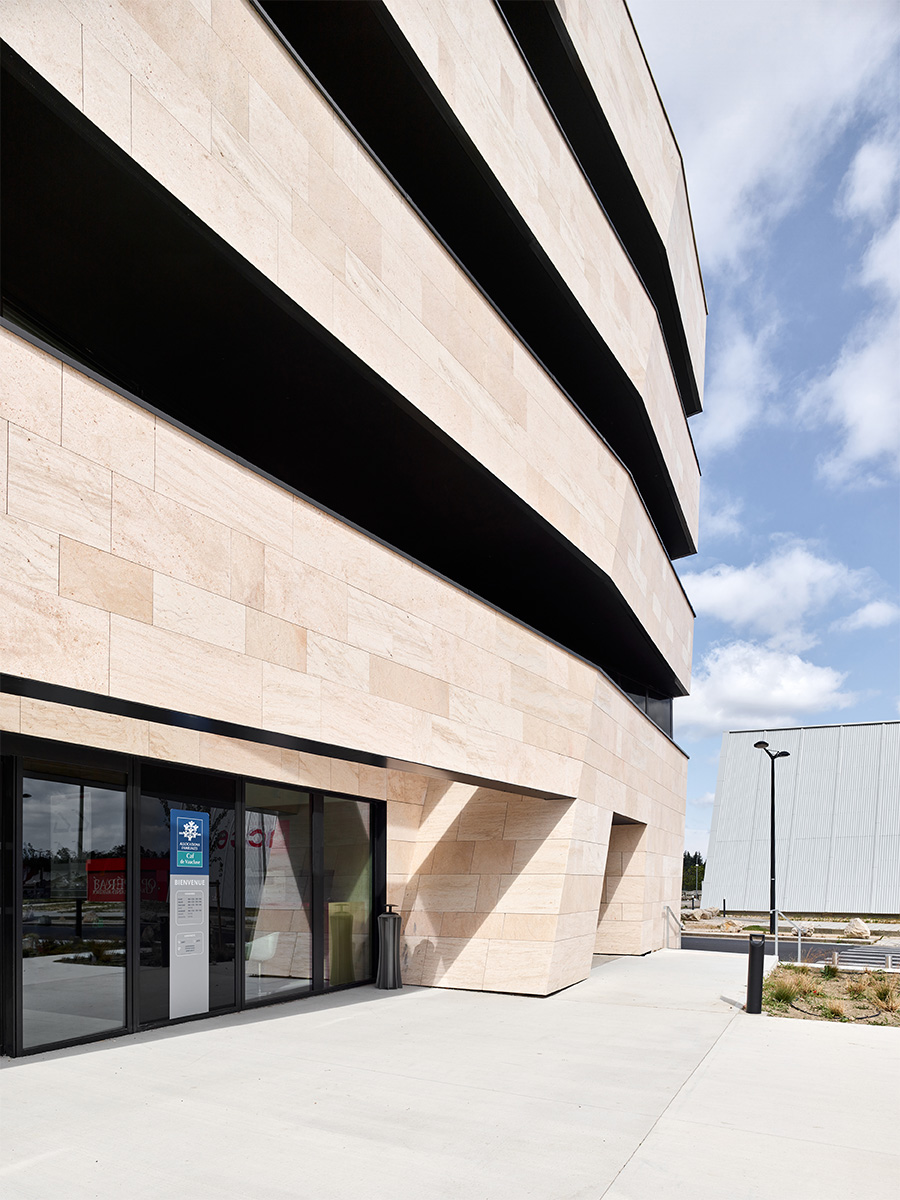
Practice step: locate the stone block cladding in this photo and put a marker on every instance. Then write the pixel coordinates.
(140, 563)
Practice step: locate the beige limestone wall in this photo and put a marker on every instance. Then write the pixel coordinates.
(221, 116)
(139, 563)
(607, 44)
(497, 891)
(632, 918)
(467, 50)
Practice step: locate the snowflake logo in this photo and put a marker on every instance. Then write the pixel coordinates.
(191, 829)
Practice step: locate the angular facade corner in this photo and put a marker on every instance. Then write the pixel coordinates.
(348, 533)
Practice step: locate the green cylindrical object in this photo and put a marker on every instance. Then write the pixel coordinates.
(340, 946)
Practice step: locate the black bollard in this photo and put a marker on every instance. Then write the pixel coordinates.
(388, 976)
(755, 972)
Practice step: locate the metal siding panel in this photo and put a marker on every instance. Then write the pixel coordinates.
(817, 781)
(857, 786)
(737, 882)
(757, 887)
(886, 881)
(850, 878)
(837, 820)
(727, 868)
(805, 881)
(713, 858)
(888, 821)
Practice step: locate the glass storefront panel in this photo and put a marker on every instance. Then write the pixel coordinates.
(164, 789)
(348, 891)
(289, 891)
(73, 904)
(277, 892)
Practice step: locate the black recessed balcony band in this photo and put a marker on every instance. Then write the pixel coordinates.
(358, 57)
(112, 272)
(539, 30)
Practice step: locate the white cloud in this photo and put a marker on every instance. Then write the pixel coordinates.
(720, 515)
(758, 94)
(859, 396)
(881, 262)
(741, 380)
(781, 82)
(705, 801)
(870, 182)
(877, 614)
(860, 393)
(741, 685)
(775, 597)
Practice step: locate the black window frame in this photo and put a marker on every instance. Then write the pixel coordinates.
(18, 747)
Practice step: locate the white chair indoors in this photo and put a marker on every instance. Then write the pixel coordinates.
(262, 950)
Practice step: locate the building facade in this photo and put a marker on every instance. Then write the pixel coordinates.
(837, 821)
(346, 358)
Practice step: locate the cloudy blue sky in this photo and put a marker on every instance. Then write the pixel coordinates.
(788, 119)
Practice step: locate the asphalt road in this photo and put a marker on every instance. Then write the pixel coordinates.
(787, 950)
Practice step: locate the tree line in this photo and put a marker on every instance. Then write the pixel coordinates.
(692, 874)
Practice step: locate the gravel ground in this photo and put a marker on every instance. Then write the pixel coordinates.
(868, 997)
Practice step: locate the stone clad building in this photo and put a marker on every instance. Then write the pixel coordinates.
(346, 358)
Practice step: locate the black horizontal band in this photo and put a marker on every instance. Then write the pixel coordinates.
(53, 693)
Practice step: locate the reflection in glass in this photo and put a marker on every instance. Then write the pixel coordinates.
(277, 892)
(73, 907)
(348, 892)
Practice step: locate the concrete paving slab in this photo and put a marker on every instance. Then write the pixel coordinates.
(641, 1081)
(811, 1080)
(683, 1161)
(695, 980)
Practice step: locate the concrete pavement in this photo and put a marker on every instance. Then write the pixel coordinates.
(645, 1082)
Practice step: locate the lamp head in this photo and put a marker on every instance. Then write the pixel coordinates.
(760, 745)
(782, 754)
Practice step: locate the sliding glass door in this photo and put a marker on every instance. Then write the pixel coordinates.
(278, 892)
(347, 861)
(137, 892)
(73, 903)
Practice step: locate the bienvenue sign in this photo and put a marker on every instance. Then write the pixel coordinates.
(188, 913)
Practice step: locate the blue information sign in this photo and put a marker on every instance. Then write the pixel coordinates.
(188, 913)
(189, 848)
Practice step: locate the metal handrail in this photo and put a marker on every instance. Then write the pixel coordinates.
(675, 919)
(779, 913)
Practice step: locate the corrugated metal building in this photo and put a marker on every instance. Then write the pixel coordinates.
(837, 820)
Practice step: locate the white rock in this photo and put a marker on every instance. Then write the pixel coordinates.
(856, 928)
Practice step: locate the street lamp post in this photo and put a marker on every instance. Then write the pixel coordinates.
(773, 912)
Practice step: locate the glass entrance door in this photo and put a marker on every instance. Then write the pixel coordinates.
(166, 791)
(73, 915)
(278, 892)
(106, 927)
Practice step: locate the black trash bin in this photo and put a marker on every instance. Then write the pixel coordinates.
(388, 976)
